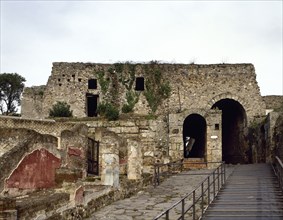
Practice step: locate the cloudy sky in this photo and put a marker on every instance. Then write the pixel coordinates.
(36, 33)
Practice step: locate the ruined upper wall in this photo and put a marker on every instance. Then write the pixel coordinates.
(192, 86)
(273, 101)
(32, 102)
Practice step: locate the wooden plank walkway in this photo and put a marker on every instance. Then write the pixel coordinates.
(251, 192)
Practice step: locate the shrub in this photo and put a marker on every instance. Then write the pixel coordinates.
(126, 108)
(60, 109)
(132, 99)
(108, 110)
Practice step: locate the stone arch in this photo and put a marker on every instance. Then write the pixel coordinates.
(234, 121)
(194, 136)
(226, 95)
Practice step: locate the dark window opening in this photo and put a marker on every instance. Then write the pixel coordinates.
(79, 79)
(139, 84)
(60, 84)
(216, 127)
(92, 101)
(63, 75)
(59, 80)
(73, 76)
(92, 84)
(68, 80)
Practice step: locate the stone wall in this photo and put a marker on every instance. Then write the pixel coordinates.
(25, 142)
(32, 104)
(192, 86)
(136, 142)
(278, 137)
(46, 126)
(273, 101)
(30, 160)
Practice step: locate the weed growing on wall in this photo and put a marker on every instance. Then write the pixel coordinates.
(121, 75)
(103, 82)
(108, 110)
(157, 89)
(132, 98)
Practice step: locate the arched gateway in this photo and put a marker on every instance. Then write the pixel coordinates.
(234, 147)
(194, 136)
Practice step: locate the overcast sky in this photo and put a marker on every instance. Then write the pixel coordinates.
(36, 33)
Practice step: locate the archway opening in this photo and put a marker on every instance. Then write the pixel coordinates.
(194, 136)
(233, 124)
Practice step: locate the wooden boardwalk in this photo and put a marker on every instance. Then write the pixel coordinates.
(251, 192)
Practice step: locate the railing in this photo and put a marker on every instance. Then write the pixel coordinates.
(165, 170)
(278, 168)
(202, 196)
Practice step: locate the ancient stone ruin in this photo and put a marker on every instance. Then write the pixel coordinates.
(167, 112)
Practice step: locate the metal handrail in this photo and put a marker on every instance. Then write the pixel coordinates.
(278, 168)
(210, 185)
(161, 169)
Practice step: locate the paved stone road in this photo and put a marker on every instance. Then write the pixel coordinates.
(149, 203)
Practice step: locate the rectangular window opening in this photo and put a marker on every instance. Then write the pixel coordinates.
(216, 127)
(92, 84)
(139, 84)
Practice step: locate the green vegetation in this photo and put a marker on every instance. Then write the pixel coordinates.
(156, 88)
(104, 83)
(132, 99)
(108, 110)
(120, 79)
(60, 109)
(11, 88)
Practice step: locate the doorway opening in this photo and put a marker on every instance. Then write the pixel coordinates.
(92, 101)
(194, 136)
(233, 124)
(93, 157)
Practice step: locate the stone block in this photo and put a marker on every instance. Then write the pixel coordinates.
(134, 160)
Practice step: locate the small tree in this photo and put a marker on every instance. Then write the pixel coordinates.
(60, 109)
(11, 88)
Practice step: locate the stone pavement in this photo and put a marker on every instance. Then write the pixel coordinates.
(149, 203)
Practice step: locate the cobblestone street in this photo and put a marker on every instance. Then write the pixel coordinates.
(149, 203)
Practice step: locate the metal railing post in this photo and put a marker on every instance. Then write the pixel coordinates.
(202, 200)
(218, 180)
(208, 190)
(194, 205)
(167, 215)
(222, 171)
(155, 176)
(158, 172)
(183, 209)
(213, 184)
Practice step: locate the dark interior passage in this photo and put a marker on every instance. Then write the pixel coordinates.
(91, 105)
(233, 123)
(195, 127)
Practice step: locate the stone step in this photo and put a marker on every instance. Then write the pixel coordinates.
(194, 163)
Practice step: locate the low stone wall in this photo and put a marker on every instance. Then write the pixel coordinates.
(46, 126)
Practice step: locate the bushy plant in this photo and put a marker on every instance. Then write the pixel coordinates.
(127, 108)
(132, 99)
(60, 109)
(108, 110)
